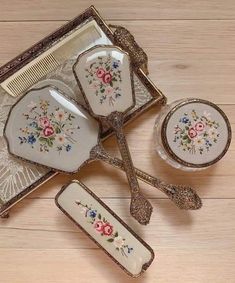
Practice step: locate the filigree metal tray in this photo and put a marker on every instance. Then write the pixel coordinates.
(19, 178)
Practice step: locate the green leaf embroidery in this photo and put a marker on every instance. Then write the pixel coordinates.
(57, 130)
(42, 139)
(49, 142)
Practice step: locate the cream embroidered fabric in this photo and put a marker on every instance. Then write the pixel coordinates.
(15, 175)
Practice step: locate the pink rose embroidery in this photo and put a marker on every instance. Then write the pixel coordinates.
(44, 122)
(196, 133)
(107, 78)
(107, 229)
(199, 127)
(99, 226)
(192, 133)
(48, 131)
(103, 76)
(100, 72)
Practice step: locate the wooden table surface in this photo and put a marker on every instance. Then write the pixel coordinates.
(191, 52)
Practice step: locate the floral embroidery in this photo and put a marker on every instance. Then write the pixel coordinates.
(104, 228)
(196, 133)
(47, 128)
(104, 77)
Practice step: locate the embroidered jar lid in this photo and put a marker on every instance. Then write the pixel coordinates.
(196, 133)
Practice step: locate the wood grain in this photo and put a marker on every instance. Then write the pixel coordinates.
(198, 241)
(190, 45)
(184, 59)
(71, 265)
(21, 10)
(169, 227)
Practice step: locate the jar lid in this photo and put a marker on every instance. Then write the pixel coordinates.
(196, 133)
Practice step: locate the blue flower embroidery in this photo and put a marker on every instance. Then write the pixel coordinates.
(93, 213)
(115, 65)
(33, 124)
(68, 147)
(129, 250)
(208, 143)
(185, 120)
(31, 139)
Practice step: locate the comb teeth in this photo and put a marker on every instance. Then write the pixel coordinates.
(73, 43)
(23, 79)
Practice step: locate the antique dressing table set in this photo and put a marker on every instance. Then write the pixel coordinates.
(62, 97)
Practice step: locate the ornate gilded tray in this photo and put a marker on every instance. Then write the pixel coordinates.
(51, 59)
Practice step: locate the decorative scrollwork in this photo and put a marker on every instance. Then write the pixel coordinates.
(124, 39)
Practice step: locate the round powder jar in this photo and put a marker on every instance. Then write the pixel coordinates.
(192, 134)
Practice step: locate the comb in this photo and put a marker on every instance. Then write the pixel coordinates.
(71, 44)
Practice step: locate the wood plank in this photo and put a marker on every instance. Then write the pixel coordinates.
(40, 224)
(149, 9)
(209, 79)
(54, 250)
(191, 59)
(165, 39)
(171, 265)
(189, 39)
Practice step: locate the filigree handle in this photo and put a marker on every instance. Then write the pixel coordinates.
(124, 39)
(182, 196)
(115, 120)
(140, 207)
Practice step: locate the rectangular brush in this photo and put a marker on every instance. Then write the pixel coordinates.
(105, 228)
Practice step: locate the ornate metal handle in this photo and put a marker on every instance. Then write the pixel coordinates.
(182, 196)
(115, 119)
(140, 207)
(124, 39)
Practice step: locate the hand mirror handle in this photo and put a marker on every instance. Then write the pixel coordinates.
(105, 77)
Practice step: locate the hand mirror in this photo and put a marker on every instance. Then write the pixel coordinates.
(105, 77)
(47, 128)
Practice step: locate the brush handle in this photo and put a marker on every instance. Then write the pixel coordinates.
(182, 196)
(115, 120)
(140, 208)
